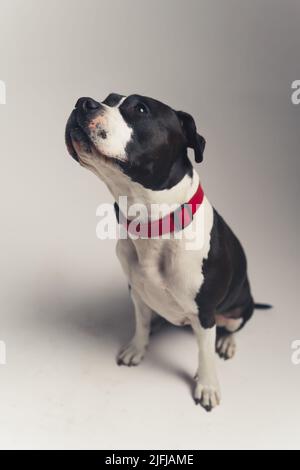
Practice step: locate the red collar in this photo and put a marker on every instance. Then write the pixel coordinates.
(173, 222)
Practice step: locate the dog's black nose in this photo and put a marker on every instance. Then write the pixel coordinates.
(87, 104)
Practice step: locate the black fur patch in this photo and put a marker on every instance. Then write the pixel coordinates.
(226, 286)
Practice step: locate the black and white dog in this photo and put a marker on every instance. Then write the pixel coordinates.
(138, 147)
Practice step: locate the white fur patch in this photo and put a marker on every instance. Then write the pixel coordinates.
(117, 133)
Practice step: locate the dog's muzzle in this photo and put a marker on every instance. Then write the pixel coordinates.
(77, 129)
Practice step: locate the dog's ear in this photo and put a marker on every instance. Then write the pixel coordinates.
(194, 140)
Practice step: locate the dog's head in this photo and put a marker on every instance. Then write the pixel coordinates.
(142, 137)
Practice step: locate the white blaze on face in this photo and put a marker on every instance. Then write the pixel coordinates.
(110, 133)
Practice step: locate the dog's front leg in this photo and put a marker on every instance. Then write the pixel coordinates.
(207, 390)
(133, 353)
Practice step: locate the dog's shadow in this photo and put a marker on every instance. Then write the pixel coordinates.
(108, 320)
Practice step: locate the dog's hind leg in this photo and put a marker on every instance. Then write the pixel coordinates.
(228, 324)
(225, 344)
(133, 353)
(225, 340)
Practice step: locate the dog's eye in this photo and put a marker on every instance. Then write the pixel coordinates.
(141, 108)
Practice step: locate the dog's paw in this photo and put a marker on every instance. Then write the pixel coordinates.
(226, 346)
(208, 396)
(131, 355)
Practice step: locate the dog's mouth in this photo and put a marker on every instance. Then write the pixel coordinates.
(77, 139)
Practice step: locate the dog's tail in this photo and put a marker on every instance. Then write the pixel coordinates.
(259, 306)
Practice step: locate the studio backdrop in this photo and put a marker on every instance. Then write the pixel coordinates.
(65, 307)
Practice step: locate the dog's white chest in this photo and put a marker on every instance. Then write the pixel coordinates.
(167, 274)
(157, 279)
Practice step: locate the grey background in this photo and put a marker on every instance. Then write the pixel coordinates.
(64, 304)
